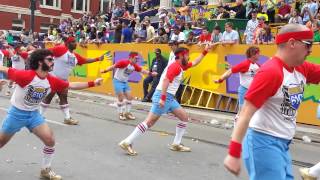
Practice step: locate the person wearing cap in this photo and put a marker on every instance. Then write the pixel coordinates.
(65, 60)
(163, 101)
(32, 87)
(159, 63)
(267, 121)
(123, 69)
(252, 25)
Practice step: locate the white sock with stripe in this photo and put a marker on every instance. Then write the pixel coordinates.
(66, 111)
(48, 153)
(315, 170)
(120, 107)
(180, 130)
(128, 106)
(139, 130)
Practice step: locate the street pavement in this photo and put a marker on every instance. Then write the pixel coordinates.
(89, 151)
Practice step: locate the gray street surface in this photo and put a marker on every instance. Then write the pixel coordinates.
(89, 151)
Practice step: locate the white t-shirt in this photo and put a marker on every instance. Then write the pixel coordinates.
(124, 68)
(31, 89)
(247, 70)
(277, 91)
(180, 37)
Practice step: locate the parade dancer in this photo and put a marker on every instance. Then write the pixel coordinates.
(163, 101)
(32, 86)
(65, 60)
(270, 108)
(247, 69)
(123, 69)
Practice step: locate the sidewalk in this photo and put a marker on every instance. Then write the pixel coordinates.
(202, 116)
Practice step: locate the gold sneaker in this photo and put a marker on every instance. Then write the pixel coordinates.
(304, 172)
(71, 121)
(129, 116)
(122, 117)
(49, 174)
(128, 148)
(180, 148)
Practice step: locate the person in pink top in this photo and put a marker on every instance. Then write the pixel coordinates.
(267, 121)
(32, 87)
(247, 69)
(65, 60)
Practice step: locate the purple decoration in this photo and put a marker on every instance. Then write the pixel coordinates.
(123, 55)
(233, 82)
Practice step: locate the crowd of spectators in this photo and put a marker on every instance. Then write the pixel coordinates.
(119, 25)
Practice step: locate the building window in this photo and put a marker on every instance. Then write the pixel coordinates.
(81, 5)
(104, 5)
(17, 24)
(50, 3)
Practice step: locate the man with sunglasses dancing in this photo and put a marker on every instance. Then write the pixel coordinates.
(65, 61)
(270, 108)
(32, 86)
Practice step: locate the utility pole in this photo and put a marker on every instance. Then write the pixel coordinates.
(33, 4)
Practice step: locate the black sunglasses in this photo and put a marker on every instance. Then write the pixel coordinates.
(307, 43)
(50, 59)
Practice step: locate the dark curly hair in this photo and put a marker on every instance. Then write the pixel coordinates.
(251, 51)
(38, 56)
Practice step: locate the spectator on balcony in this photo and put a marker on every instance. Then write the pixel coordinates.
(216, 36)
(308, 10)
(150, 30)
(261, 25)
(2, 36)
(230, 36)
(117, 33)
(223, 13)
(284, 12)
(239, 9)
(177, 35)
(162, 37)
(251, 8)
(187, 30)
(205, 37)
(264, 36)
(140, 34)
(270, 6)
(192, 39)
(250, 28)
(127, 33)
(295, 18)
(316, 31)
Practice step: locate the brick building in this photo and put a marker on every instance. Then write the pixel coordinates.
(15, 14)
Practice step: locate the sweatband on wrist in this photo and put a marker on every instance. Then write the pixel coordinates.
(91, 84)
(301, 35)
(163, 97)
(220, 80)
(205, 52)
(97, 59)
(235, 149)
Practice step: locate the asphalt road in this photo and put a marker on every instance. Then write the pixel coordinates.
(89, 151)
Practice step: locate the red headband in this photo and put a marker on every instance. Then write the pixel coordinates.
(301, 35)
(182, 53)
(69, 40)
(133, 56)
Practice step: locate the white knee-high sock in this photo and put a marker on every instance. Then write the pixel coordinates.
(315, 170)
(120, 107)
(138, 131)
(48, 153)
(128, 106)
(180, 130)
(43, 107)
(65, 109)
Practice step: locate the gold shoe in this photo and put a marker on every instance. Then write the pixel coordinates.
(180, 148)
(71, 121)
(129, 116)
(122, 117)
(49, 174)
(304, 172)
(128, 148)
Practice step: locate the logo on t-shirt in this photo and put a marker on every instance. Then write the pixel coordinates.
(15, 58)
(128, 70)
(35, 95)
(71, 60)
(293, 96)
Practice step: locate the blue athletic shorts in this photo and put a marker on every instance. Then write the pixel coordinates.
(266, 157)
(120, 86)
(241, 93)
(17, 119)
(170, 105)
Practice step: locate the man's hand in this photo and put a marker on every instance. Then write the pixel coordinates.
(232, 164)
(98, 82)
(218, 81)
(161, 103)
(101, 58)
(154, 74)
(2, 82)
